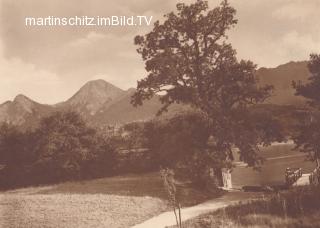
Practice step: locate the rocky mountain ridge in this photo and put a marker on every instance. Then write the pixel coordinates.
(101, 103)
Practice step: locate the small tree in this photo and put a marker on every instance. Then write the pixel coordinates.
(102, 160)
(308, 138)
(64, 144)
(189, 61)
(169, 183)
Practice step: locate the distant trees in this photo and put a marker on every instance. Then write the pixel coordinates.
(182, 143)
(133, 135)
(102, 161)
(310, 90)
(64, 144)
(178, 142)
(308, 137)
(16, 155)
(62, 148)
(189, 61)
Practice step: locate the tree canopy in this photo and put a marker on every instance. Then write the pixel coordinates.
(308, 137)
(310, 90)
(189, 60)
(65, 142)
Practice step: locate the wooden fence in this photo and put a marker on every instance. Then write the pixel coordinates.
(314, 177)
(292, 175)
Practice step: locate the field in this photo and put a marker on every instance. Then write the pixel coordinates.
(120, 201)
(63, 210)
(278, 158)
(123, 201)
(298, 207)
(108, 202)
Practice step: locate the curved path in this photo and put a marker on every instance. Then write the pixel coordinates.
(167, 218)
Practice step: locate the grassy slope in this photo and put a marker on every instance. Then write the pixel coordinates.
(273, 171)
(120, 201)
(298, 207)
(108, 202)
(139, 185)
(123, 200)
(64, 210)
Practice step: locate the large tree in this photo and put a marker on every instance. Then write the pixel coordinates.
(64, 144)
(189, 61)
(308, 137)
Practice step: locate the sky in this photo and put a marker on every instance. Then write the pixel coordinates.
(49, 64)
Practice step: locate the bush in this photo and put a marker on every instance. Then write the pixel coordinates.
(62, 148)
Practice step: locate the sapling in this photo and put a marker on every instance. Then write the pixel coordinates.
(167, 176)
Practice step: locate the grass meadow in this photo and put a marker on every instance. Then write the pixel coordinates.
(108, 202)
(123, 201)
(295, 208)
(120, 201)
(278, 158)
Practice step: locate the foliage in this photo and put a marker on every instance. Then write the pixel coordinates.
(62, 148)
(308, 137)
(102, 160)
(269, 126)
(310, 90)
(132, 134)
(189, 61)
(64, 143)
(175, 139)
(11, 143)
(181, 143)
(16, 155)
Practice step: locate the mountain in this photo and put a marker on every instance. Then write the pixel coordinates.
(101, 103)
(93, 96)
(23, 111)
(281, 77)
(122, 111)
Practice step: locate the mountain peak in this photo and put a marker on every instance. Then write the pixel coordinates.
(93, 95)
(20, 98)
(24, 102)
(98, 82)
(97, 88)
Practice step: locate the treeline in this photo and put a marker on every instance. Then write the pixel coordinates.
(181, 143)
(61, 148)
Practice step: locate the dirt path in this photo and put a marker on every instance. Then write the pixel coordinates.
(167, 218)
(303, 180)
(286, 156)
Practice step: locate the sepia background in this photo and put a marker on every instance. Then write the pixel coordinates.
(81, 144)
(38, 61)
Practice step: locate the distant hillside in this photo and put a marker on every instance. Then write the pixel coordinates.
(101, 103)
(122, 111)
(23, 111)
(281, 77)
